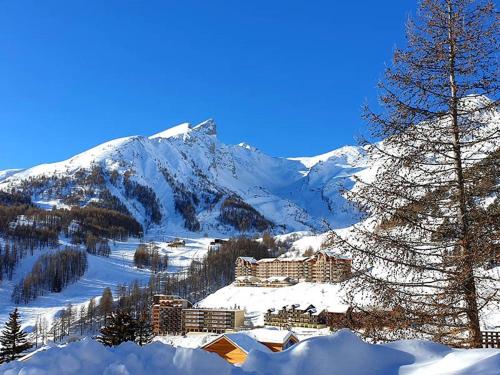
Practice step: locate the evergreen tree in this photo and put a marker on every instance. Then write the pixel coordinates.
(144, 331)
(120, 327)
(427, 235)
(13, 339)
(106, 302)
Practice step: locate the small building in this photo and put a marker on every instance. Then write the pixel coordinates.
(216, 244)
(212, 320)
(270, 282)
(166, 314)
(276, 340)
(177, 243)
(296, 316)
(234, 347)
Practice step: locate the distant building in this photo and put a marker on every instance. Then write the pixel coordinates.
(323, 267)
(166, 314)
(212, 320)
(296, 316)
(234, 347)
(275, 339)
(270, 282)
(177, 243)
(216, 244)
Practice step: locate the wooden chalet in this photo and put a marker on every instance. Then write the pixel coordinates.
(234, 347)
(275, 339)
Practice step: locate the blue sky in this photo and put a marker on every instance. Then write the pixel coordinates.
(288, 77)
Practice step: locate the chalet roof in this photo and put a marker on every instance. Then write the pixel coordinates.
(266, 260)
(293, 259)
(242, 341)
(278, 278)
(333, 254)
(271, 336)
(248, 259)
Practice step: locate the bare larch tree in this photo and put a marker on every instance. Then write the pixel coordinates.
(432, 224)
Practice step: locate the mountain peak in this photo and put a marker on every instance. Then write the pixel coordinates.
(208, 127)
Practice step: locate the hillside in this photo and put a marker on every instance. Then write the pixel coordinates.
(184, 180)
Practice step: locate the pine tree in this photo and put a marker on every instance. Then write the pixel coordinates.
(106, 302)
(13, 339)
(120, 327)
(144, 331)
(427, 235)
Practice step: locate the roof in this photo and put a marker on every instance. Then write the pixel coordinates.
(248, 259)
(294, 259)
(278, 278)
(265, 260)
(271, 336)
(242, 341)
(333, 254)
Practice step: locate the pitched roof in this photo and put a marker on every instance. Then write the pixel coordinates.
(242, 341)
(248, 259)
(333, 254)
(272, 336)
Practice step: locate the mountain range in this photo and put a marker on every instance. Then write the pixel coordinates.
(185, 180)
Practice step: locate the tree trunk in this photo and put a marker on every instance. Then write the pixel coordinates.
(466, 255)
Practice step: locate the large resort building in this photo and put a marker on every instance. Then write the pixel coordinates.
(323, 267)
(173, 315)
(212, 320)
(166, 314)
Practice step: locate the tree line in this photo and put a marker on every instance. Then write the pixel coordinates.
(51, 273)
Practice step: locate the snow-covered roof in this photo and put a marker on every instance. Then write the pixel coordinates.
(242, 341)
(269, 335)
(334, 254)
(294, 259)
(248, 259)
(265, 260)
(278, 278)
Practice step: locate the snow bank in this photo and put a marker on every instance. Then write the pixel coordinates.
(89, 357)
(346, 354)
(342, 353)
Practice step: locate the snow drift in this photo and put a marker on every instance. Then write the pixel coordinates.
(342, 353)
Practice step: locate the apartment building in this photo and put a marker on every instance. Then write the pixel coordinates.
(166, 314)
(212, 320)
(323, 267)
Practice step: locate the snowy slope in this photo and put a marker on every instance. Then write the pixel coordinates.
(188, 166)
(256, 301)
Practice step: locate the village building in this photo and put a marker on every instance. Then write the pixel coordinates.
(166, 314)
(323, 267)
(276, 340)
(270, 282)
(177, 243)
(296, 316)
(234, 347)
(212, 320)
(216, 243)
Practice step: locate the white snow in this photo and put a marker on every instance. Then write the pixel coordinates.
(180, 129)
(340, 353)
(257, 300)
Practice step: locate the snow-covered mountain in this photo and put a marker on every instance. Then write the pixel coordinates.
(185, 179)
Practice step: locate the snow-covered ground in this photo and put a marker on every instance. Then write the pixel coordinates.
(341, 353)
(102, 272)
(256, 301)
